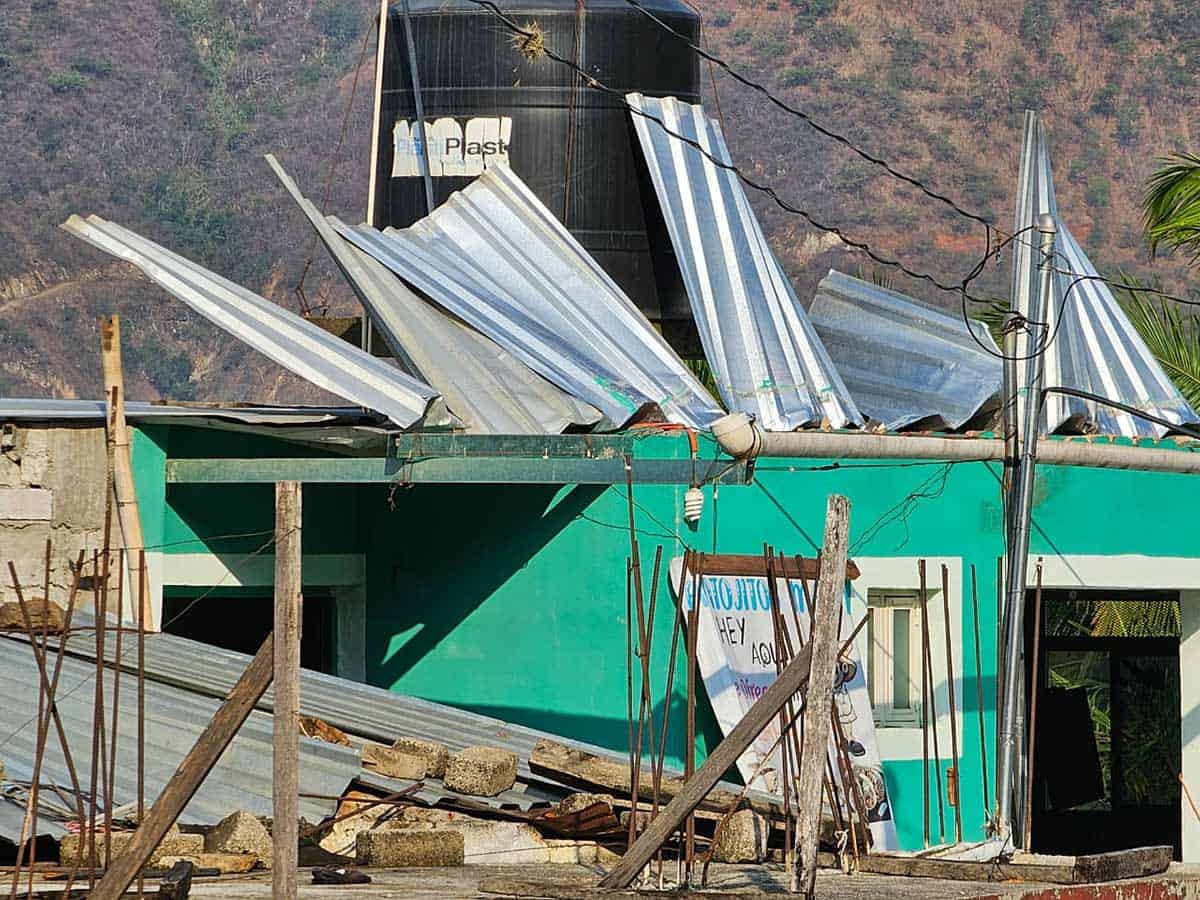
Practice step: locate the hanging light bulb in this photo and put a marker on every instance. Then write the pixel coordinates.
(693, 505)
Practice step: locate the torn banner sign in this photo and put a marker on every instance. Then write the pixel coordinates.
(735, 648)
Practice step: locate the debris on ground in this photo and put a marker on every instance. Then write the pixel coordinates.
(74, 849)
(177, 883)
(311, 726)
(339, 875)
(482, 771)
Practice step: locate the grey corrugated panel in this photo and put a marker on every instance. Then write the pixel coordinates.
(364, 711)
(902, 361)
(766, 359)
(1096, 348)
(174, 719)
(495, 257)
(484, 385)
(35, 409)
(294, 343)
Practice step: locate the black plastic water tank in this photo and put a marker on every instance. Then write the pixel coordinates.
(572, 144)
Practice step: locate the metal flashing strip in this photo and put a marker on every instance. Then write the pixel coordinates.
(1096, 348)
(767, 359)
(483, 384)
(287, 339)
(904, 362)
(495, 257)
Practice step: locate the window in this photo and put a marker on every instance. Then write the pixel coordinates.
(894, 657)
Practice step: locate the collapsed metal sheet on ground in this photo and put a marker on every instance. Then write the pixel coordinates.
(1095, 347)
(903, 361)
(175, 717)
(294, 343)
(494, 256)
(766, 359)
(483, 384)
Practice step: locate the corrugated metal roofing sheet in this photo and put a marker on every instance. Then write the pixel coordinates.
(39, 409)
(298, 345)
(767, 360)
(484, 385)
(1096, 348)
(494, 256)
(903, 361)
(175, 716)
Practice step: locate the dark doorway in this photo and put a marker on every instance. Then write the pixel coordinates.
(241, 623)
(1107, 751)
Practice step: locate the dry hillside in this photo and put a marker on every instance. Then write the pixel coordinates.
(156, 114)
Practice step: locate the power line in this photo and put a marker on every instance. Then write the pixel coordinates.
(808, 119)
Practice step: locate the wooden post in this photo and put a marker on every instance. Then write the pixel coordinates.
(819, 700)
(286, 824)
(190, 775)
(119, 452)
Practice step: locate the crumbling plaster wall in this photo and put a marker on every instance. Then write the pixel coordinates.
(52, 484)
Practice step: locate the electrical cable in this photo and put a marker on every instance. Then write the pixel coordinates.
(737, 76)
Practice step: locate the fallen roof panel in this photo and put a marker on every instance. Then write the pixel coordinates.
(904, 362)
(494, 256)
(767, 360)
(291, 341)
(37, 409)
(175, 716)
(1096, 348)
(483, 384)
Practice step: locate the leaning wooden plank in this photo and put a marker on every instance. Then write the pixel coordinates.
(1138, 862)
(827, 613)
(589, 771)
(190, 774)
(791, 680)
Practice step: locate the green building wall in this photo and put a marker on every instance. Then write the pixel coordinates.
(510, 600)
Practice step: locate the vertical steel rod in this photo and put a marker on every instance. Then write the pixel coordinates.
(979, 695)
(96, 706)
(689, 767)
(141, 700)
(1033, 695)
(633, 809)
(924, 706)
(954, 754)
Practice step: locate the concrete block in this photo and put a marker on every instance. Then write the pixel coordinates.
(26, 504)
(240, 832)
(488, 843)
(393, 763)
(434, 754)
(360, 816)
(743, 839)
(395, 848)
(73, 850)
(482, 771)
(573, 803)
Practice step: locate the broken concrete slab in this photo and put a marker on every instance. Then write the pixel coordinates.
(42, 615)
(401, 848)
(241, 832)
(743, 838)
(435, 755)
(574, 803)
(225, 863)
(356, 813)
(481, 771)
(74, 848)
(393, 763)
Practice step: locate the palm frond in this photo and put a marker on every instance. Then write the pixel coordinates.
(1173, 339)
(1171, 205)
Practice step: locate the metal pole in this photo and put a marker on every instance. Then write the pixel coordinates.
(954, 754)
(141, 700)
(1033, 692)
(419, 104)
(1018, 551)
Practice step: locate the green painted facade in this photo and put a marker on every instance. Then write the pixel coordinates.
(510, 599)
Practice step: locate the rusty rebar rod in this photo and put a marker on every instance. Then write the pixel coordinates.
(927, 650)
(110, 790)
(141, 700)
(979, 694)
(954, 756)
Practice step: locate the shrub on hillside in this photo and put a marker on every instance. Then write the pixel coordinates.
(66, 82)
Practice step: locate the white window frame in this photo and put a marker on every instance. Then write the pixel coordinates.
(881, 670)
